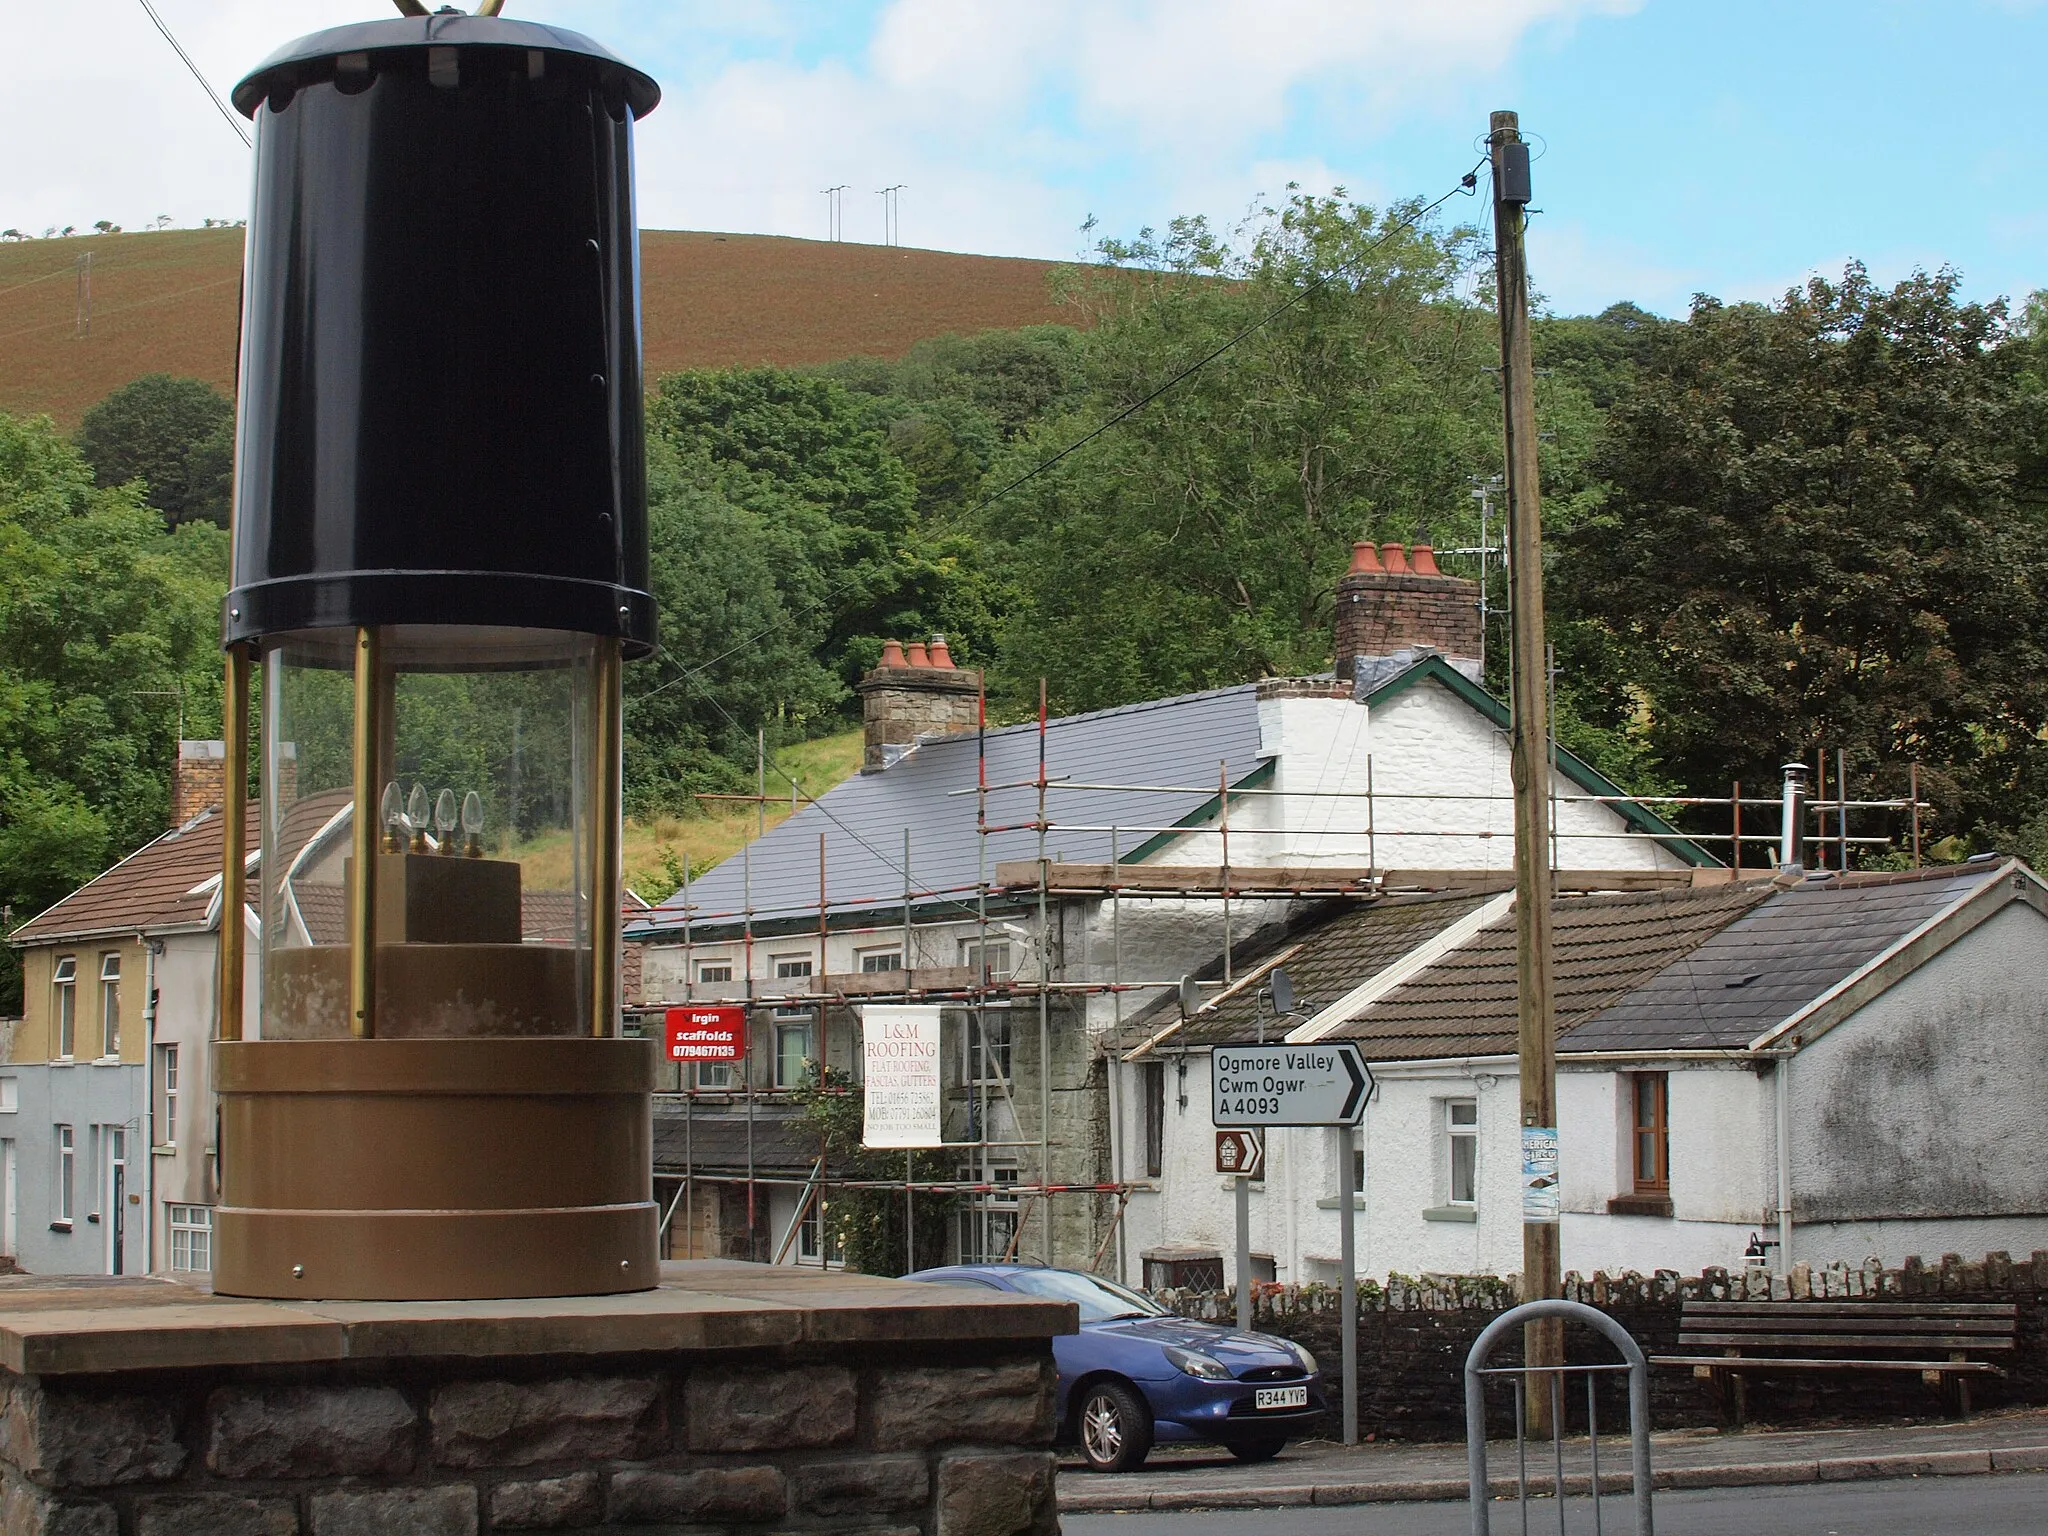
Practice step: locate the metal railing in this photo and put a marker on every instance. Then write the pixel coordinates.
(1476, 1372)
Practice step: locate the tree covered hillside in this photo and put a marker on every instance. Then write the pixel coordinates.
(1822, 521)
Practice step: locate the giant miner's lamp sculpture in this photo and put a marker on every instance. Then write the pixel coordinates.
(440, 561)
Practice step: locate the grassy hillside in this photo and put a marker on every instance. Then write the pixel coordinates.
(168, 303)
(654, 850)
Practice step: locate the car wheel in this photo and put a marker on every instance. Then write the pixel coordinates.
(1115, 1428)
(1257, 1450)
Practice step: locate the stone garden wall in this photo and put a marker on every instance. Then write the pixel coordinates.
(908, 1440)
(1414, 1333)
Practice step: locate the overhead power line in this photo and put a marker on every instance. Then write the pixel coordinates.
(205, 85)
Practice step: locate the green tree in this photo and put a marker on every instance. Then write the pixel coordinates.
(1199, 542)
(868, 1227)
(175, 435)
(109, 631)
(1812, 537)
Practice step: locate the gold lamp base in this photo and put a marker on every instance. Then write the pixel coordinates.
(435, 1170)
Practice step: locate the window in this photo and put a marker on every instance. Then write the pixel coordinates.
(712, 1074)
(167, 1095)
(1652, 1141)
(794, 1046)
(816, 1240)
(67, 1172)
(10, 1095)
(65, 1004)
(1357, 1139)
(1461, 1124)
(988, 1224)
(873, 961)
(191, 1237)
(1152, 1079)
(110, 1005)
(792, 965)
(988, 1046)
(990, 961)
(709, 970)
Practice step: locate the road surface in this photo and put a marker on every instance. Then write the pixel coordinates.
(2007, 1505)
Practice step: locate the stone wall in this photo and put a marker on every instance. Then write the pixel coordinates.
(914, 1440)
(1414, 1334)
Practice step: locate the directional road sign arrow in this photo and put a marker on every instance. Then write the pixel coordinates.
(1326, 1083)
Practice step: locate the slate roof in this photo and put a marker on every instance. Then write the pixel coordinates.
(717, 1141)
(1169, 741)
(1774, 960)
(1604, 946)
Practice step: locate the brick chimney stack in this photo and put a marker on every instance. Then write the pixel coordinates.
(915, 691)
(198, 779)
(1395, 600)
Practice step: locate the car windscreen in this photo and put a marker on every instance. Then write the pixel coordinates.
(1099, 1300)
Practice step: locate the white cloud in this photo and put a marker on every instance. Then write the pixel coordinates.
(1009, 121)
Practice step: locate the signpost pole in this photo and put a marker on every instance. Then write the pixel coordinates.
(1347, 1250)
(1244, 1253)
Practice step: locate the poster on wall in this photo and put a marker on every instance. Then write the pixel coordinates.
(1540, 1199)
(900, 1050)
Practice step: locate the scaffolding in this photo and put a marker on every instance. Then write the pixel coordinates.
(1031, 887)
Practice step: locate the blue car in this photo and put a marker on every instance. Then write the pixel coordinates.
(1135, 1374)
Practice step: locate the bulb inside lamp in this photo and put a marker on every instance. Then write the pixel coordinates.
(417, 815)
(473, 824)
(394, 819)
(444, 820)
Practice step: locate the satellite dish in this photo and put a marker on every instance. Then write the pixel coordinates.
(1190, 996)
(1283, 994)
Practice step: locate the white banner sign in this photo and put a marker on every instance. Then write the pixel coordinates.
(901, 1049)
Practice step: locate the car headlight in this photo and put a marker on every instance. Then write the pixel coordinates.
(1308, 1361)
(1195, 1363)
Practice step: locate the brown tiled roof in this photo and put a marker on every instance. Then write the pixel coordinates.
(148, 888)
(1322, 965)
(1603, 946)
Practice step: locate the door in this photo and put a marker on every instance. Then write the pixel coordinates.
(10, 1193)
(117, 1200)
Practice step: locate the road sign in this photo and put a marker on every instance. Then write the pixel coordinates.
(1322, 1084)
(707, 1032)
(1241, 1153)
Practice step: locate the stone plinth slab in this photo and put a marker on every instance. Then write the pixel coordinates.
(58, 1326)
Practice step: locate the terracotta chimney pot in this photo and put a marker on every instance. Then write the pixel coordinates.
(1422, 558)
(1395, 559)
(941, 657)
(892, 654)
(918, 656)
(1365, 560)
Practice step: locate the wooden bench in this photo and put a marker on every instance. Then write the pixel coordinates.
(1724, 1340)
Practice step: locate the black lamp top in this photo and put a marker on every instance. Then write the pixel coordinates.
(447, 30)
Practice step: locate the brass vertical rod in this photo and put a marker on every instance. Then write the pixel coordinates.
(607, 811)
(371, 707)
(234, 726)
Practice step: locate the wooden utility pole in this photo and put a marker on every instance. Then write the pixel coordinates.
(1543, 1342)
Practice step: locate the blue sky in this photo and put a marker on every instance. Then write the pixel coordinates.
(1728, 147)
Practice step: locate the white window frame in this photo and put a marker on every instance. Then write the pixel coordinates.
(64, 1008)
(1455, 1131)
(978, 1054)
(789, 1021)
(794, 967)
(167, 1092)
(869, 961)
(191, 1238)
(709, 971)
(1002, 966)
(67, 1175)
(10, 1095)
(110, 1006)
(714, 1074)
